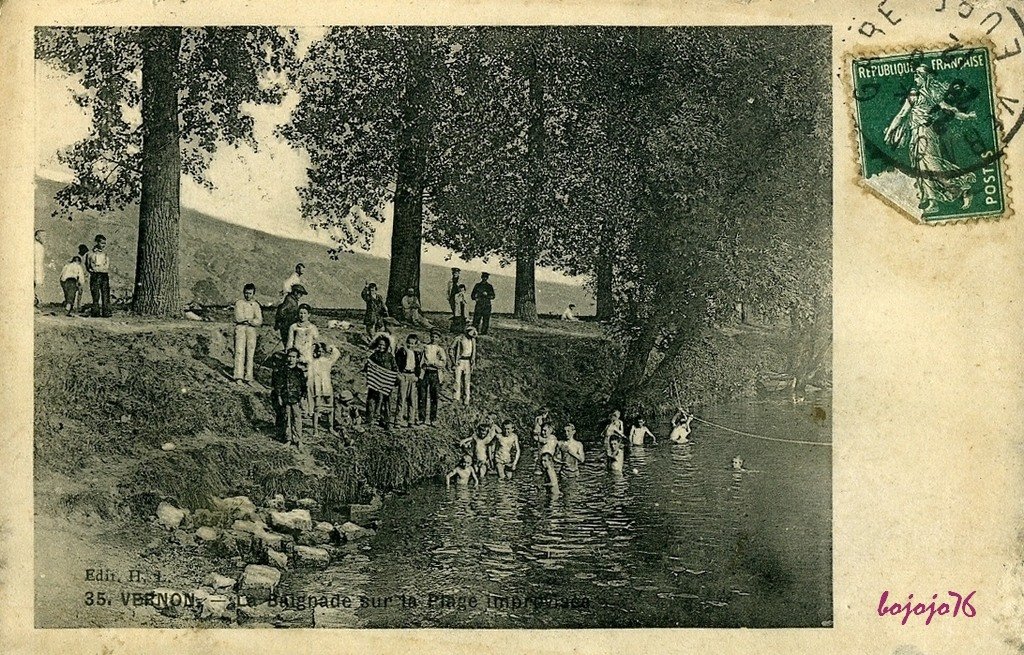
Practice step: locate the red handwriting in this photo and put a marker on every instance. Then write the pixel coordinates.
(961, 606)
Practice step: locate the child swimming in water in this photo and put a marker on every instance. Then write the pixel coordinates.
(639, 432)
(480, 440)
(506, 442)
(616, 455)
(464, 471)
(681, 427)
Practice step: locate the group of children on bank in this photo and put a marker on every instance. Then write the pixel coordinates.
(89, 264)
(406, 377)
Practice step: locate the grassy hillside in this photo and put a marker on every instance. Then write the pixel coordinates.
(219, 257)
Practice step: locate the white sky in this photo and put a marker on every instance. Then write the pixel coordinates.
(253, 189)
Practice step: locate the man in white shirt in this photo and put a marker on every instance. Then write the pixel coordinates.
(296, 278)
(97, 264)
(570, 313)
(248, 317)
(72, 279)
(434, 361)
(464, 359)
(40, 264)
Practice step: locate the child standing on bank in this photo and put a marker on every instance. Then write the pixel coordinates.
(288, 388)
(97, 264)
(72, 279)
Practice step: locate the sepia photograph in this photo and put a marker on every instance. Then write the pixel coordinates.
(433, 326)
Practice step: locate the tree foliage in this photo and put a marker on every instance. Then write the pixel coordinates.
(222, 70)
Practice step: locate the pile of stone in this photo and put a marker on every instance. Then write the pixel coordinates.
(262, 541)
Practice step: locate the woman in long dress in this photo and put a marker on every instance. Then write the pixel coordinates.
(914, 127)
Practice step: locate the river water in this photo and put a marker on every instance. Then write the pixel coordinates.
(678, 540)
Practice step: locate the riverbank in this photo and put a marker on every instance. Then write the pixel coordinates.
(132, 413)
(111, 394)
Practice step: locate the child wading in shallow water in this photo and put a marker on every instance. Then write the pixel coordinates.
(504, 462)
(480, 440)
(616, 454)
(639, 432)
(464, 471)
(681, 427)
(570, 452)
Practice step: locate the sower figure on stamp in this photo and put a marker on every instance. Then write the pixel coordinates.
(463, 357)
(97, 263)
(248, 317)
(483, 294)
(916, 126)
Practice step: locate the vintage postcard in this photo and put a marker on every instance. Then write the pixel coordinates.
(544, 327)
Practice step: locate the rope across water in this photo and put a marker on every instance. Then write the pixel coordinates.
(758, 436)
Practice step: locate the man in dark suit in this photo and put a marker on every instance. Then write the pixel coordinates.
(483, 294)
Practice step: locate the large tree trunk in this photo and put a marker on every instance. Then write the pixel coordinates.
(407, 227)
(156, 266)
(525, 308)
(605, 273)
(634, 366)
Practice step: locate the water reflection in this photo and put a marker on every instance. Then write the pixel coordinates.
(682, 541)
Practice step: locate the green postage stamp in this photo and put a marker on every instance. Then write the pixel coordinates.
(928, 134)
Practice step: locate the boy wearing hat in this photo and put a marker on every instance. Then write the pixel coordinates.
(288, 312)
(453, 288)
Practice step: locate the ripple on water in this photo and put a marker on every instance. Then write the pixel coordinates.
(637, 545)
